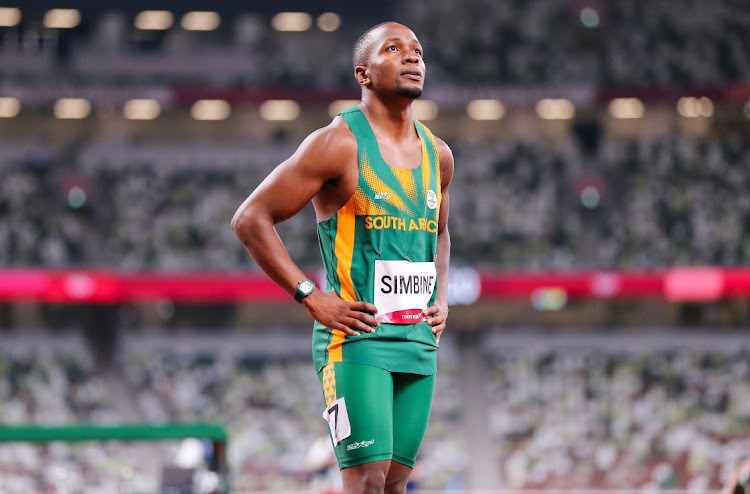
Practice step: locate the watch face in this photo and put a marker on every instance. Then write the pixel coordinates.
(306, 286)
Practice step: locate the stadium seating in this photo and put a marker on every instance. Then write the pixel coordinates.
(649, 411)
(596, 411)
(518, 42)
(515, 205)
(262, 388)
(53, 381)
(644, 409)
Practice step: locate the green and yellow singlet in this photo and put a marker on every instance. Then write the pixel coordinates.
(380, 248)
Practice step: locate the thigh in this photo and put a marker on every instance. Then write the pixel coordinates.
(366, 394)
(412, 400)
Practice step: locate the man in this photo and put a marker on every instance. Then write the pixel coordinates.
(378, 180)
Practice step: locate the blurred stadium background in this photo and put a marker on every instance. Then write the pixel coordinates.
(598, 337)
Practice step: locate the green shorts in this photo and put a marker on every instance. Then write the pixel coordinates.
(374, 414)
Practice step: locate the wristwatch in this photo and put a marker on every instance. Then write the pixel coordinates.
(304, 288)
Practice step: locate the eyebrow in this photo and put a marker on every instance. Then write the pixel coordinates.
(399, 39)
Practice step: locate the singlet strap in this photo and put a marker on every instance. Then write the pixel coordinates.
(360, 127)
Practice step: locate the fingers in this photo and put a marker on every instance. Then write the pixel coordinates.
(357, 321)
(363, 307)
(357, 324)
(435, 314)
(351, 326)
(351, 318)
(436, 320)
(351, 331)
(431, 310)
(363, 311)
(346, 329)
(437, 331)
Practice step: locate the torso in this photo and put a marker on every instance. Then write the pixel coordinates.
(379, 247)
(338, 191)
(400, 154)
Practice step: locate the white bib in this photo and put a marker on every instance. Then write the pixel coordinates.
(403, 289)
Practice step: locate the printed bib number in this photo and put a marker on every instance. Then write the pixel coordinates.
(338, 420)
(403, 289)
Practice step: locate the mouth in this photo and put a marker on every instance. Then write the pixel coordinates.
(412, 74)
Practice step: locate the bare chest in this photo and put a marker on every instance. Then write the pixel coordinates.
(399, 155)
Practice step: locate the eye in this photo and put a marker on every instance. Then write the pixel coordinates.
(418, 51)
(392, 48)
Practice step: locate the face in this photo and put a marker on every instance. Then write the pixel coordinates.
(396, 61)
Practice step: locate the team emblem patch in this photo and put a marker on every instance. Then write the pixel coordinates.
(431, 199)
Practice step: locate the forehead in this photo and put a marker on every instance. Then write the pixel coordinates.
(390, 32)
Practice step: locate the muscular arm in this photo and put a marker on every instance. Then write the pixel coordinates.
(324, 156)
(442, 257)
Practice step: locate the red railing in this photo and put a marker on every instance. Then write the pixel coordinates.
(106, 286)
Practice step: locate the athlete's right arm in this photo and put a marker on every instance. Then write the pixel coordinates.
(324, 156)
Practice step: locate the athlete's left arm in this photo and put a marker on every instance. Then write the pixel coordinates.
(439, 311)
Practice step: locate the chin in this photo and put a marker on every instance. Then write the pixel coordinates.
(413, 92)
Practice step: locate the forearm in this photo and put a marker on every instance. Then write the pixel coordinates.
(258, 235)
(264, 245)
(442, 265)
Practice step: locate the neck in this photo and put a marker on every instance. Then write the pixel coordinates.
(393, 117)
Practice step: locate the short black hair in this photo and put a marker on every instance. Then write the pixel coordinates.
(362, 45)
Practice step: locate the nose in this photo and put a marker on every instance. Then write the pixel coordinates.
(411, 58)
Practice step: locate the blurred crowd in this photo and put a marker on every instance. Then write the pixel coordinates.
(594, 412)
(652, 417)
(529, 203)
(270, 403)
(272, 406)
(615, 42)
(53, 382)
(633, 203)
(618, 42)
(525, 204)
(636, 415)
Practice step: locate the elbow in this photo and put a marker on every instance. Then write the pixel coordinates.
(235, 223)
(245, 220)
(250, 221)
(240, 221)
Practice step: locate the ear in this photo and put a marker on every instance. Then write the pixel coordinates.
(362, 75)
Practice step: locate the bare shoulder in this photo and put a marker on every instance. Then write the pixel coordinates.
(444, 149)
(337, 132)
(332, 145)
(446, 159)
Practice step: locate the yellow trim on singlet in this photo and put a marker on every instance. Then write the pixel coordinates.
(376, 184)
(426, 164)
(405, 177)
(344, 251)
(364, 205)
(335, 352)
(425, 168)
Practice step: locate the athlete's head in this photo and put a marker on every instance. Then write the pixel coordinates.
(389, 57)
